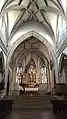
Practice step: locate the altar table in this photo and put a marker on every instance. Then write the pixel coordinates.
(32, 90)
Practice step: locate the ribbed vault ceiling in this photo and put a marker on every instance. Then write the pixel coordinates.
(19, 12)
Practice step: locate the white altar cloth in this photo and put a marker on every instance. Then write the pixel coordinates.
(31, 89)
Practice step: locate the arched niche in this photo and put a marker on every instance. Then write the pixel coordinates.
(19, 72)
(63, 68)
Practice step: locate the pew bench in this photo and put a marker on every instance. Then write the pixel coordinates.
(5, 107)
(61, 89)
(59, 106)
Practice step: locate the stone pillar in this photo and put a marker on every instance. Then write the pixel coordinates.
(51, 79)
(10, 81)
(15, 85)
(48, 79)
(13, 80)
(2, 90)
(38, 74)
(56, 70)
(64, 80)
(6, 77)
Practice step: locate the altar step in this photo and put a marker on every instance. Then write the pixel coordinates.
(31, 102)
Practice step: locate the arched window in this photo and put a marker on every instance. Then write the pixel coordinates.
(32, 69)
(19, 73)
(44, 74)
(63, 69)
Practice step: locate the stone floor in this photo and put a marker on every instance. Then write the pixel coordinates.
(32, 114)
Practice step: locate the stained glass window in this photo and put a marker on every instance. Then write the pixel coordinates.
(44, 74)
(19, 74)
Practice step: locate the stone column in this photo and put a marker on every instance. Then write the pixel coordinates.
(38, 74)
(51, 79)
(1, 78)
(14, 80)
(64, 76)
(48, 79)
(10, 81)
(6, 77)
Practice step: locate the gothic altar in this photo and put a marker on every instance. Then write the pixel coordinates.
(29, 78)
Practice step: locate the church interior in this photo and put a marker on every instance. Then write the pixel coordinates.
(33, 59)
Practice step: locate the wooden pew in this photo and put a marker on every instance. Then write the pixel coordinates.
(5, 107)
(61, 89)
(59, 106)
(59, 101)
